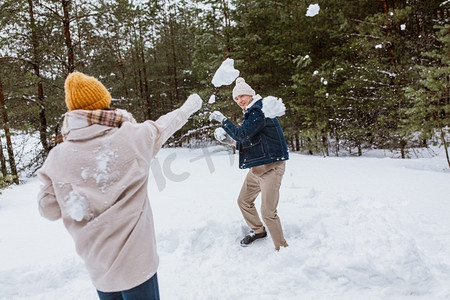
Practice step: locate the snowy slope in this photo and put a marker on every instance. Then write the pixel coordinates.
(358, 228)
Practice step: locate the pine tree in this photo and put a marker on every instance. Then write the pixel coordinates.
(431, 110)
(7, 131)
(328, 107)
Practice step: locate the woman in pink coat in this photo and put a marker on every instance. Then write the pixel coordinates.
(96, 181)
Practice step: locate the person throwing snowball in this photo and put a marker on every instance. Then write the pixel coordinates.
(263, 149)
(96, 181)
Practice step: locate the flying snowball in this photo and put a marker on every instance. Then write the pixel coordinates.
(226, 74)
(212, 99)
(273, 107)
(313, 9)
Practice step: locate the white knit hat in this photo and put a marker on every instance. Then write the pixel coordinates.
(242, 88)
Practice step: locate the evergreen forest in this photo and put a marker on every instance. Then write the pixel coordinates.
(361, 74)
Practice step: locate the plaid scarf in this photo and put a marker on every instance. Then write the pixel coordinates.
(77, 119)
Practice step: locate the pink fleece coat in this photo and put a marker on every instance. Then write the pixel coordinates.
(96, 181)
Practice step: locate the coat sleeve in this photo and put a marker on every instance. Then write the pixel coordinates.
(254, 123)
(163, 128)
(48, 206)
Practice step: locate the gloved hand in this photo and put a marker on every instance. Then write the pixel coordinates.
(222, 136)
(192, 104)
(217, 116)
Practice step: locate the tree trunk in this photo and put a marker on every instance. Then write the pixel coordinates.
(227, 27)
(174, 58)
(325, 145)
(139, 72)
(68, 38)
(158, 88)
(443, 140)
(338, 146)
(135, 74)
(168, 72)
(389, 46)
(3, 161)
(403, 148)
(9, 146)
(37, 72)
(297, 142)
(144, 75)
(122, 73)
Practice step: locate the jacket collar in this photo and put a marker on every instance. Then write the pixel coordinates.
(255, 99)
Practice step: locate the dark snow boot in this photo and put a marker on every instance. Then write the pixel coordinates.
(251, 237)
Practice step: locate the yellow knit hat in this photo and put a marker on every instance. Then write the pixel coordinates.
(85, 92)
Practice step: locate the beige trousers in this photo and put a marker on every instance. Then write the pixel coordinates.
(268, 183)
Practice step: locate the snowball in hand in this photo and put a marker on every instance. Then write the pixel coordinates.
(273, 107)
(313, 9)
(223, 137)
(226, 74)
(220, 134)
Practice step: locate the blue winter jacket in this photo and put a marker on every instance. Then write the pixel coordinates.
(259, 140)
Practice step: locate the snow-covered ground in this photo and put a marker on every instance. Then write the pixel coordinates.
(357, 228)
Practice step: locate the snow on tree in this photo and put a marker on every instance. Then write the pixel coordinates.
(313, 9)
